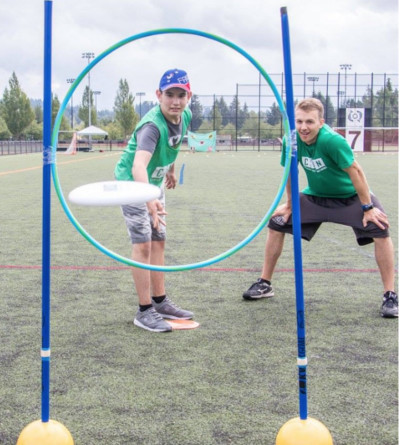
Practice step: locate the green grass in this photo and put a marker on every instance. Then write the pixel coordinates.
(234, 379)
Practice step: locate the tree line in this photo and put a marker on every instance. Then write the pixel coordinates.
(19, 119)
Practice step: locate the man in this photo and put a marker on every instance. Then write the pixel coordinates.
(337, 192)
(150, 157)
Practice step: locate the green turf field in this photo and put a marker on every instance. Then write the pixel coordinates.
(234, 379)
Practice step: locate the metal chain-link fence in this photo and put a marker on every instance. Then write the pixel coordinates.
(250, 117)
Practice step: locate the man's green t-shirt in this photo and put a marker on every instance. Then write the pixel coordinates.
(324, 162)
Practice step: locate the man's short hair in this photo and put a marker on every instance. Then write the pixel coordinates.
(311, 104)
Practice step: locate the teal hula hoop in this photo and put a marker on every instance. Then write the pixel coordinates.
(175, 268)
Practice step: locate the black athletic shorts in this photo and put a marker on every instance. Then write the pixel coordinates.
(347, 211)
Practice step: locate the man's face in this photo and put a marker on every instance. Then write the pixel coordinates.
(308, 125)
(172, 102)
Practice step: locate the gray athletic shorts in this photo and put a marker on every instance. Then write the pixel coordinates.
(139, 223)
(347, 211)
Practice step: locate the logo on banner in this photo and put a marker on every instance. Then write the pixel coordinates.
(355, 117)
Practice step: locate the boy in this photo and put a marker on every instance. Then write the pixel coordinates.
(150, 157)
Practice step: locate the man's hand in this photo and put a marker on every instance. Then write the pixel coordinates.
(284, 210)
(377, 217)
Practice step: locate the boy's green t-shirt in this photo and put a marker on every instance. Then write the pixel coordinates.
(164, 155)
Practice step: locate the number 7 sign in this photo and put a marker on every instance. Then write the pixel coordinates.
(355, 128)
(356, 139)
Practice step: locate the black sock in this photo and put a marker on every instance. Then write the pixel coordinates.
(264, 281)
(160, 299)
(144, 307)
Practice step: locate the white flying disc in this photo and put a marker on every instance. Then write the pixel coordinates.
(111, 193)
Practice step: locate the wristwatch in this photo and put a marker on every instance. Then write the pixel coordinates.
(366, 207)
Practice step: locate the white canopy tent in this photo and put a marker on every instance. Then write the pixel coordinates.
(92, 131)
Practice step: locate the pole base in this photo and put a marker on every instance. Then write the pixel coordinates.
(45, 433)
(304, 432)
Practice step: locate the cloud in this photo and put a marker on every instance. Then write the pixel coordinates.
(324, 34)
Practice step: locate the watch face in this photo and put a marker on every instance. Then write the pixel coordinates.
(367, 207)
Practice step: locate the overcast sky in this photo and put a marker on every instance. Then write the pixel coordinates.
(324, 34)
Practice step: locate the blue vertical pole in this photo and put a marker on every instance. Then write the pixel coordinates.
(296, 220)
(46, 185)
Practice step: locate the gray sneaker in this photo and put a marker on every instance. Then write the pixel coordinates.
(152, 321)
(390, 305)
(168, 309)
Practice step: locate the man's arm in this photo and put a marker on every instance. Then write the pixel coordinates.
(359, 181)
(285, 210)
(361, 186)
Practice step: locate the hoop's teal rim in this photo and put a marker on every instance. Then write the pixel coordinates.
(234, 249)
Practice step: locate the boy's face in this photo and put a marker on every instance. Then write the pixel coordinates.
(308, 124)
(172, 102)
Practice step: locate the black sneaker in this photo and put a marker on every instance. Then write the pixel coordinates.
(390, 305)
(260, 289)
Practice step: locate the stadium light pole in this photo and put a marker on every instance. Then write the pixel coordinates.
(70, 81)
(345, 67)
(89, 56)
(96, 93)
(140, 94)
(313, 79)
